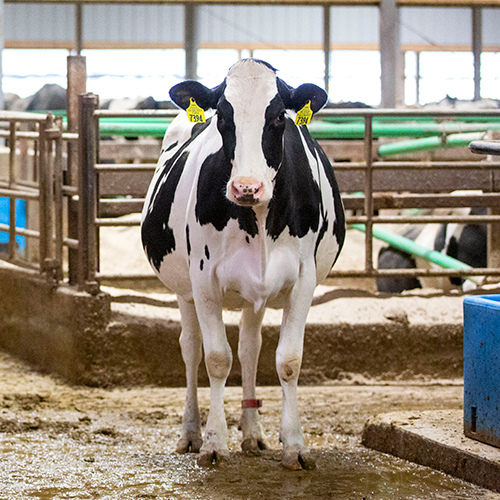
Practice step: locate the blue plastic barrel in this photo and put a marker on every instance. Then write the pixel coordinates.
(482, 368)
(20, 222)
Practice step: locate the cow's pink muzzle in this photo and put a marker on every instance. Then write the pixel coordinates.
(246, 191)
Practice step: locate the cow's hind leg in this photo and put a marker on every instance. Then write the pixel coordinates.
(248, 353)
(191, 342)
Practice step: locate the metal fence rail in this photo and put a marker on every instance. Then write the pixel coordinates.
(41, 187)
(91, 194)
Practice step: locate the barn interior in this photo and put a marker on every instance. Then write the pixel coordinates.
(91, 373)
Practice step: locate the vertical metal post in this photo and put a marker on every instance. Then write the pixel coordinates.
(58, 199)
(77, 85)
(87, 200)
(42, 199)
(191, 40)
(417, 79)
(477, 48)
(369, 194)
(327, 44)
(78, 28)
(12, 182)
(389, 52)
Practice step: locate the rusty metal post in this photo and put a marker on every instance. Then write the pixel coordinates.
(58, 199)
(12, 182)
(42, 199)
(369, 194)
(77, 85)
(87, 194)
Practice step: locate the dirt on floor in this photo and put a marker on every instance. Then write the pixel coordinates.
(60, 441)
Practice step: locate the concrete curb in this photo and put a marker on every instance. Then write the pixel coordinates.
(435, 439)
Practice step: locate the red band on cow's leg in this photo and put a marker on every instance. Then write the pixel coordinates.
(251, 403)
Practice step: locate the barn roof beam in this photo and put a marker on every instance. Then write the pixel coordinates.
(399, 3)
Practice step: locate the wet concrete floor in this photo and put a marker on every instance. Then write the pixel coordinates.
(58, 441)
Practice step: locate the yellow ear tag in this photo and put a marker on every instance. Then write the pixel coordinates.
(304, 115)
(195, 113)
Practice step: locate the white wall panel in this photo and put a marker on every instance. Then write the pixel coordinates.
(270, 24)
(32, 21)
(133, 23)
(436, 26)
(354, 25)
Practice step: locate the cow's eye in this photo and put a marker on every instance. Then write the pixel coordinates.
(280, 119)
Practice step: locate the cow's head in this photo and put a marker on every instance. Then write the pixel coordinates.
(251, 106)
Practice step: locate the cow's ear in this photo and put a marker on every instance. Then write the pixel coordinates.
(297, 98)
(309, 92)
(182, 93)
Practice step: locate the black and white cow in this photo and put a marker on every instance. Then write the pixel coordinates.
(244, 212)
(464, 242)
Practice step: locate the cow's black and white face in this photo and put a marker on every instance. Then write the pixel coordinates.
(253, 108)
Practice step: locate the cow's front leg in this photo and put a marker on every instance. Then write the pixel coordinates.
(248, 353)
(218, 360)
(296, 455)
(190, 341)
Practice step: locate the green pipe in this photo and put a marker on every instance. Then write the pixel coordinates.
(429, 143)
(353, 130)
(107, 129)
(409, 246)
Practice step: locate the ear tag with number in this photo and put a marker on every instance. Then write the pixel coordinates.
(195, 113)
(304, 115)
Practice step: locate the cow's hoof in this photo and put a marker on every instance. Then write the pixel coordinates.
(189, 443)
(218, 458)
(253, 446)
(296, 458)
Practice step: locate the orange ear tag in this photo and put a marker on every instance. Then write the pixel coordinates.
(195, 113)
(304, 115)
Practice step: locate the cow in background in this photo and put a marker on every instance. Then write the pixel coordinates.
(243, 211)
(464, 242)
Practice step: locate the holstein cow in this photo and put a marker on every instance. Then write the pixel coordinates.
(464, 242)
(244, 212)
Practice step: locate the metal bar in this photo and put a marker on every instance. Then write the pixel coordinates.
(125, 167)
(112, 277)
(77, 84)
(58, 201)
(403, 113)
(86, 197)
(23, 195)
(477, 48)
(18, 184)
(327, 44)
(191, 39)
(22, 116)
(134, 113)
(78, 28)
(104, 222)
(43, 202)
(30, 233)
(424, 219)
(369, 195)
(12, 201)
(401, 201)
(389, 273)
(419, 165)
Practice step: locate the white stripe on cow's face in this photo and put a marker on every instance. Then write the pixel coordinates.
(250, 88)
